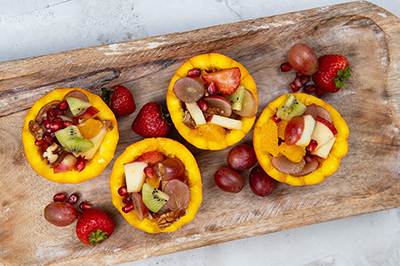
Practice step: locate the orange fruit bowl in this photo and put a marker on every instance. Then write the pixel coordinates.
(265, 141)
(94, 166)
(210, 136)
(169, 149)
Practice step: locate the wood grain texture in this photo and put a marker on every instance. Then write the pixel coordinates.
(367, 180)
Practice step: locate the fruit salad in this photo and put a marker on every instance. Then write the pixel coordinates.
(70, 135)
(156, 185)
(213, 101)
(300, 140)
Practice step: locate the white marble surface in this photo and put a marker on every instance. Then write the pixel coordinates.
(37, 27)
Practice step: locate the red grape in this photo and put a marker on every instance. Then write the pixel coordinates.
(174, 168)
(188, 90)
(261, 183)
(294, 130)
(179, 195)
(303, 59)
(60, 213)
(228, 180)
(242, 157)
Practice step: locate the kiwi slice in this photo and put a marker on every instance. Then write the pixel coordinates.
(236, 98)
(66, 134)
(77, 105)
(79, 145)
(153, 198)
(290, 108)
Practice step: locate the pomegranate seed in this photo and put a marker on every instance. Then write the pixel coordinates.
(294, 87)
(128, 208)
(209, 118)
(63, 105)
(67, 123)
(57, 120)
(55, 126)
(319, 91)
(312, 145)
(149, 171)
(60, 197)
(52, 113)
(309, 88)
(45, 146)
(194, 73)
(127, 199)
(84, 206)
(203, 105)
(308, 158)
(300, 81)
(78, 215)
(212, 88)
(46, 124)
(276, 119)
(39, 142)
(73, 198)
(48, 140)
(285, 67)
(80, 164)
(122, 191)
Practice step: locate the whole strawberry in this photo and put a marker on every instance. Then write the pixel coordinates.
(94, 226)
(120, 100)
(153, 120)
(333, 71)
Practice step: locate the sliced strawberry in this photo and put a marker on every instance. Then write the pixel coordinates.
(226, 80)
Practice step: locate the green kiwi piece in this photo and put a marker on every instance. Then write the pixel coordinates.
(290, 108)
(77, 105)
(153, 198)
(79, 145)
(65, 134)
(236, 98)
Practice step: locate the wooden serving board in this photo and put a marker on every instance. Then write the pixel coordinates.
(367, 180)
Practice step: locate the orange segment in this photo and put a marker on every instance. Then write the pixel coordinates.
(292, 152)
(212, 132)
(154, 182)
(269, 137)
(90, 128)
(281, 128)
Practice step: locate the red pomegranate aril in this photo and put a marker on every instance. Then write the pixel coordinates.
(276, 119)
(78, 215)
(319, 91)
(80, 164)
(122, 191)
(127, 199)
(194, 72)
(308, 158)
(67, 123)
(39, 142)
(57, 120)
(46, 124)
(60, 197)
(309, 88)
(73, 198)
(84, 206)
(212, 88)
(127, 208)
(45, 146)
(285, 67)
(48, 140)
(294, 87)
(63, 105)
(203, 104)
(300, 81)
(149, 171)
(55, 126)
(312, 145)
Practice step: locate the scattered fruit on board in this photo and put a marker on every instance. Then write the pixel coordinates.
(93, 225)
(70, 135)
(156, 185)
(120, 99)
(328, 72)
(299, 139)
(213, 101)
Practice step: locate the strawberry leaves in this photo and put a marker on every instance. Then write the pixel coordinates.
(342, 77)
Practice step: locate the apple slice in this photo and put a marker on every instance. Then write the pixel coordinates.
(225, 122)
(196, 113)
(249, 105)
(299, 130)
(67, 164)
(323, 151)
(324, 131)
(221, 103)
(134, 175)
(316, 110)
(89, 113)
(97, 140)
(140, 209)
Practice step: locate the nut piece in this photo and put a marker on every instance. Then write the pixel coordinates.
(168, 218)
(54, 154)
(36, 130)
(108, 125)
(42, 114)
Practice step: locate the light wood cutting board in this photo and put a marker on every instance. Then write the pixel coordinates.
(367, 180)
